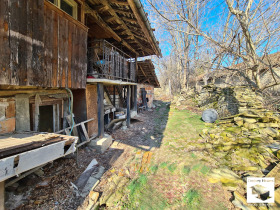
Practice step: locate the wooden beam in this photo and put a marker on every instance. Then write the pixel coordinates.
(128, 106)
(100, 8)
(2, 195)
(124, 12)
(129, 20)
(100, 107)
(108, 18)
(135, 97)
(142, 24)
(119, 20)
(114, 96)
(143, 72)
(122, 3)
(104, 25)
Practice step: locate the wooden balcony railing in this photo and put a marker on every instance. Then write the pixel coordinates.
(105, 61)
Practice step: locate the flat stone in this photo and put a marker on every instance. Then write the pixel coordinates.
(240, 202)
(249, 120)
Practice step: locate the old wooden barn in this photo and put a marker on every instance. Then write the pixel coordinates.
(67, 68)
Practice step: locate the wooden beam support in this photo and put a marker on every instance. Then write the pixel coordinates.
(128, 106)
(135, 97)
(2, 195)
(122, 3)
(130, 20)
(108, 18)
(142, 24)
(100, 107)
(144, 73)
(127, 12)
(104, 25)
(114, 96)
(120, 20)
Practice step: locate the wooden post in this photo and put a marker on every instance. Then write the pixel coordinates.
(136, 70)
(114, 96)
(100, 107)
(2, 195)
(135, 97)
(128, 106)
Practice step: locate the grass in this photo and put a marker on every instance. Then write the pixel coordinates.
(177, 177)
(172, 167)
(186, 170)
(192, 199)
(142, 196)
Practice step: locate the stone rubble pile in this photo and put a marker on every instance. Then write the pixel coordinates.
(230, 100)
(244, 144)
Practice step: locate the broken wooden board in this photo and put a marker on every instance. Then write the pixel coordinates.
(19, 163)
(13, 145)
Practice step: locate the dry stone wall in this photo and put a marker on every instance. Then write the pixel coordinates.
(230, 100)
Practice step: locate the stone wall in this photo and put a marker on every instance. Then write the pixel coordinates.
(230, 100)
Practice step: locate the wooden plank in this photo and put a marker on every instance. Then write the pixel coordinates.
(14, 41)
(11, 146)
(84, 59)
(37, 42)
(2, 195)
(32, 159)
(85, 131)
(54, 51)
(65, 15)
(70, 51)
(29, 33)
(79, 58)
(5, 75)
(100, 108)
(74, 57)
(65, 54)
(48, 41)
(22, 56)
(59, 50)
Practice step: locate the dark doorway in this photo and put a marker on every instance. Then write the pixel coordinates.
(46, 118)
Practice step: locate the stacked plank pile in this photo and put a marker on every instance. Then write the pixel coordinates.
(13, 145)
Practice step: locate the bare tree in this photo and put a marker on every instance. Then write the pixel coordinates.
(229, 32)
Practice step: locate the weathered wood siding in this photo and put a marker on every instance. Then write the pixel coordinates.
(41, 46)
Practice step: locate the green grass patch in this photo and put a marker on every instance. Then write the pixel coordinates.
(196, 166)
(184, 124)
(205, 169)
(154, 169)
(186, 170)
(143, 196)
(136, 185)
(163, 165)
(193, 156)
(192, 199)
(172, 167)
